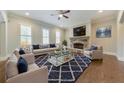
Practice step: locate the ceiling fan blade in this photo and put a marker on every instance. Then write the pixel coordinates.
(67, 11)
(65, 16)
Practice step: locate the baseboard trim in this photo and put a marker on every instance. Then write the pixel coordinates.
(120, 58)
(110, 53)
(114, 54)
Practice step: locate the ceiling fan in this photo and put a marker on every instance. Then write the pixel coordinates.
(61, 13)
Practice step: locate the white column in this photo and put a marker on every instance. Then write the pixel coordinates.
(4, 15)
(120, 36)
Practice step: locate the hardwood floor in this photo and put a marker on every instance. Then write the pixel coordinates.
(2, 71)
(109, 71)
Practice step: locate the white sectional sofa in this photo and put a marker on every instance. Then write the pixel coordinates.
(44, 50)
(33, 75)
(95, 54)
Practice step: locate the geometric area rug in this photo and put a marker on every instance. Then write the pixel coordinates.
(68, 72)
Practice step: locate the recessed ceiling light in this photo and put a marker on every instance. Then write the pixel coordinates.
(60, 15)
(27, 14)
(100, 11)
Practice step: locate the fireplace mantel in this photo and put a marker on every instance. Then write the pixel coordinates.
(79, 39)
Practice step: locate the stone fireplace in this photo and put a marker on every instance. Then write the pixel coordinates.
(79, 42)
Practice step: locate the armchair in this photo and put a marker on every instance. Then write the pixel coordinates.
(95, 54)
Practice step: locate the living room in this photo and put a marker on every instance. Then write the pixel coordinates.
(59, 29)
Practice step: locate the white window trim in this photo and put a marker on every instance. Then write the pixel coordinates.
(47, 36)
(58, 37)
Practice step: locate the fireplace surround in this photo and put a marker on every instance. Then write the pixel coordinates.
(79, 42)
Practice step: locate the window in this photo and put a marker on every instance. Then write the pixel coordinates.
(25, 36)
(45, 36)
(57, 37)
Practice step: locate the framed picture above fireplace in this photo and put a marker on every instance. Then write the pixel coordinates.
(104, 32)
(79, 31)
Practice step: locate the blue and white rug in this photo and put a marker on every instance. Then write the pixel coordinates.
(66, 73)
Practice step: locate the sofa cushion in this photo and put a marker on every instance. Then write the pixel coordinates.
(88, 53)
(99, 48)
(11, 68)
(52, 45)
(52, 49)
(16, 52)
(21, 51)
(27, 50)
(13, 57)
(36, 46)
(30, 59)
(45, 46)
(32, 67)
(38, 51)
(22, 65)
(40, 46)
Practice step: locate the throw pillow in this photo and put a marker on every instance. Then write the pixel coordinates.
(52, 45)
(29, 58)
(40, 46)
(45, 46)
(93, 48)
(21, 51)
(22, 65)
(36, 46)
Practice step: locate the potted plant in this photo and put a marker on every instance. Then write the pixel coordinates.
(64, 43)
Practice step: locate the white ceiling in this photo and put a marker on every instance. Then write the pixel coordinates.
(76, 17)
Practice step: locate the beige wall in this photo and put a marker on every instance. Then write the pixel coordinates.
(109, 44)
(36, 26)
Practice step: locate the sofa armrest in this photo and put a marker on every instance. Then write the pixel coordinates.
(29, 58)
(36, 76)
(72, 49)
(97, 54)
